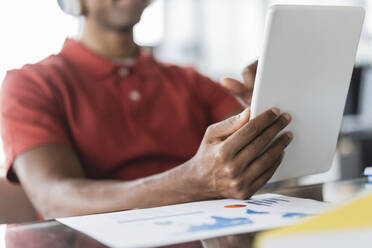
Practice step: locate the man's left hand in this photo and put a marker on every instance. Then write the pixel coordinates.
(242, 90)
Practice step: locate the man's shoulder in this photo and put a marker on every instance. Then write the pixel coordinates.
(43, 70)
(36, 77)
(43, 67)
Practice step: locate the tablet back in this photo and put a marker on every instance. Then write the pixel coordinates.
(305, 70)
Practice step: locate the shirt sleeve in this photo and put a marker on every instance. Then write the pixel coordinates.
(30, 115)
(216, 99)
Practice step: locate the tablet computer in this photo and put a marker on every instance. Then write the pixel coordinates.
(305, 69)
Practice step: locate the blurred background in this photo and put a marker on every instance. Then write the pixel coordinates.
(218, 37)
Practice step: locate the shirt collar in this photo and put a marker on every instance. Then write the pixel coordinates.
(88, 61)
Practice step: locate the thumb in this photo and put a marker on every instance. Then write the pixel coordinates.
(229, 126)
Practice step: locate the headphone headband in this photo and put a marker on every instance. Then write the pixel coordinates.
(72, 7)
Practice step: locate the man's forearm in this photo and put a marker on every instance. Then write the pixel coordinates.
(80, 196)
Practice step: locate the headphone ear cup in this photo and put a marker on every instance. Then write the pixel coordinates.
(72, 7)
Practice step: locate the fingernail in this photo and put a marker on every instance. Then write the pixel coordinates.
(276, 111)
(244, 112)
(287, 116)
(290, 135)
(282, 154)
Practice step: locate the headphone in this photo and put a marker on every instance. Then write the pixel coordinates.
(72, 7)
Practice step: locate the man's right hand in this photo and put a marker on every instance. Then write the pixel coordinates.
(233, 160)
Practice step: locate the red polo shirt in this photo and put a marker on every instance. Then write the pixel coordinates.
(123, 121)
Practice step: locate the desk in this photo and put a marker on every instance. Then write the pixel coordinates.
(54, 234)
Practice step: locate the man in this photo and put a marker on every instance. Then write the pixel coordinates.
(103, 126)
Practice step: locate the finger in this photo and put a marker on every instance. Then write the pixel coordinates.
(250, 131)
(228, 126)
(257, 146)
(262, 180)
(248, 187)
(249, 74)
(239, 90)
(235, 87)
(268, 158)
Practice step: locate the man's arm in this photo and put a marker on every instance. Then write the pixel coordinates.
(229, 163)
(54, 181)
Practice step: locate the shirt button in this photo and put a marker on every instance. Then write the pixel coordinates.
(123, 72)
(135, 96)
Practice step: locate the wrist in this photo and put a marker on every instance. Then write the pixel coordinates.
(193, 180)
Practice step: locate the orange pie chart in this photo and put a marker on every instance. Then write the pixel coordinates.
(235, 206)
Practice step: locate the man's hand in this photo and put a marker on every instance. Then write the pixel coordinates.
(232, 160)
(242, 91)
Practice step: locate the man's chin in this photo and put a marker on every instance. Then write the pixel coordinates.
(119, 18)
(123, 27)
(126, 3)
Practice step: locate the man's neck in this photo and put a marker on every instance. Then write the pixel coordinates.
(110, 44)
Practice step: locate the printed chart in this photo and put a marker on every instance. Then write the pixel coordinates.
(194, 221)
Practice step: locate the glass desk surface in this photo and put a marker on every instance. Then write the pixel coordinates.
(53, 234)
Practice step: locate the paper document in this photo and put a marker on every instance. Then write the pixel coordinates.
(194, 221)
